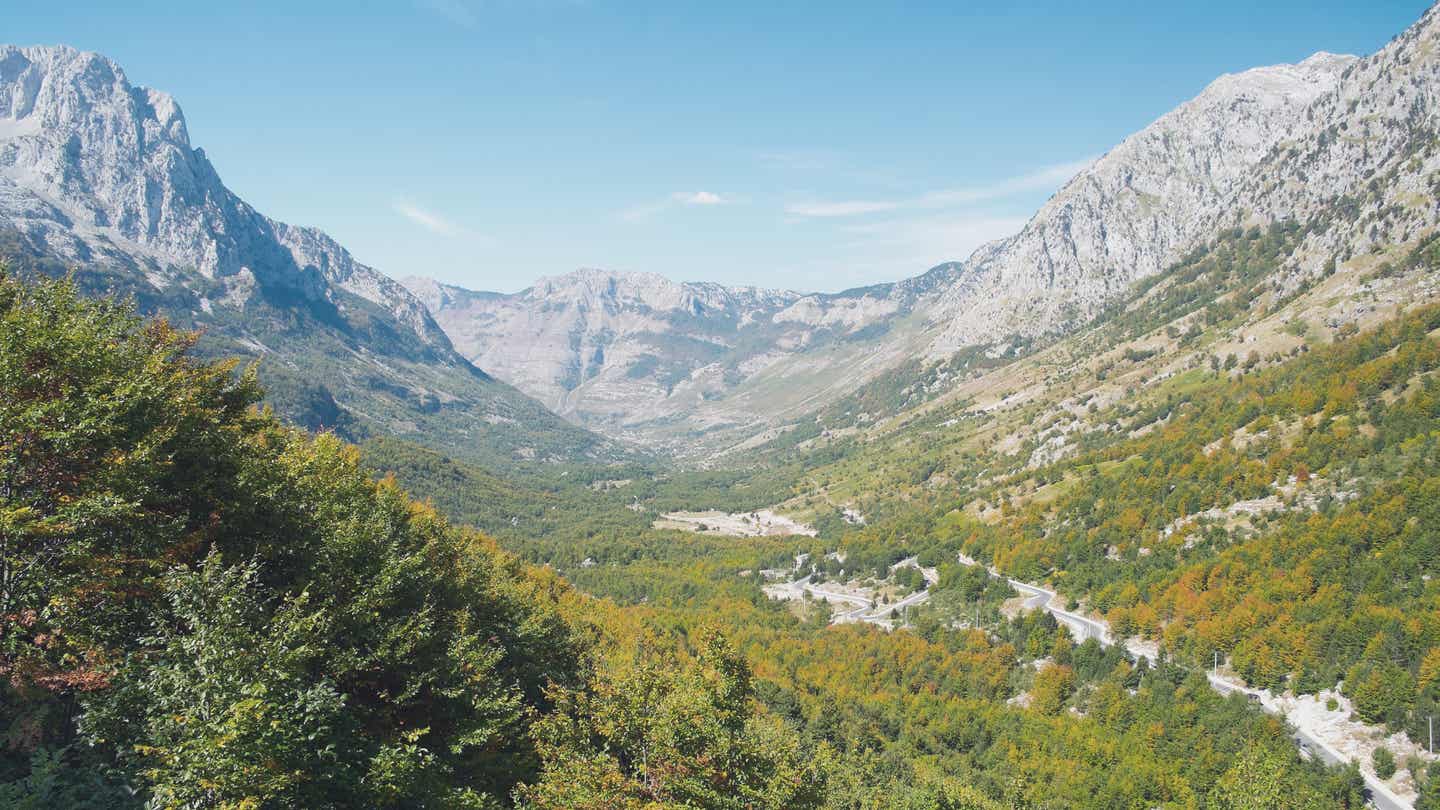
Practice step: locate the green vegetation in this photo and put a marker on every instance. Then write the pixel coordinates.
(223, 612)
(211, 609)
(345, 364)
(685, 738)
(1330, 582)
(1384, 762)
(1220, 281)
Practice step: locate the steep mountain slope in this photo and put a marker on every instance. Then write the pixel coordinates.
(1332, 134)
(99, 175)
(1136, 210)
(568, 339)
(1218, 463)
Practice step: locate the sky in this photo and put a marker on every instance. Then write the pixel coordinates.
(813, 146)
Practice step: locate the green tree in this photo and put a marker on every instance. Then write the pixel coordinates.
(1384, 762)
(232, 612)
(58, 778)
(1260, 779)
(657, 734)
(1429, 789)
(1378, 690)
(229, 714)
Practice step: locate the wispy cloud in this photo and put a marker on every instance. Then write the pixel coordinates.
(847, 208)
(1048, 177)
(456, 11)
(831, 163)
(869, 252)
(429, 220)
(697, 198)
(933, 238)
(644, 211)
(800, 160)
(468, 13)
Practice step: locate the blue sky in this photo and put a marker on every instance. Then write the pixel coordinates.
(804, 145)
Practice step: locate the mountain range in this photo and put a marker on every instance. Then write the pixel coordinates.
(98, 174)
(700, 365)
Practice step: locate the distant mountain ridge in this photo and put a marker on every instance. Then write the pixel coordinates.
(100, 175)
(637, 355)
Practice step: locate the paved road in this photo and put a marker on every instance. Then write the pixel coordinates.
(1084, 628)
(880, 614)
(1080, 627)
(862, 611)
(1380, 795)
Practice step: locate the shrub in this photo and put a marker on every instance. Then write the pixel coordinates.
(1384, 762)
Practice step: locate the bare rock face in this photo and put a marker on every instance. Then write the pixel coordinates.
(88, 161)
(621, 350)
(93, 169)
(1345, 146)
(587, 344)
(1363, 171)
(1136, 210)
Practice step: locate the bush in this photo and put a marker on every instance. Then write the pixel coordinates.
(1384, 762)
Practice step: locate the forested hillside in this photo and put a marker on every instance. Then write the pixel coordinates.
(1224, 468)
(203, 607)
(213, 609)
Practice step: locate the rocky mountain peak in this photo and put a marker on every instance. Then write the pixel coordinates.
(61, 88)
(99, 176)
(1252, 147)
(89, 162)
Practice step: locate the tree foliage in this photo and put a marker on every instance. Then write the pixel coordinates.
(232, 613)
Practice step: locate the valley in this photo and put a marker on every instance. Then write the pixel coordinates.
(1137, 506)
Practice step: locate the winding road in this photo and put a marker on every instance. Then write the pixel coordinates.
(1380, 795)
(1083, 629)
(862, 611)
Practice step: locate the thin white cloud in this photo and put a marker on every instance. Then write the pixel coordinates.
(848, 208)
(934, 238)
(832, 163)
(800, 160)
(871, 252)
(456, 11)
(640, 213)
(644, 211)
(1048, 177)
(428, 220)
(698, 198)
